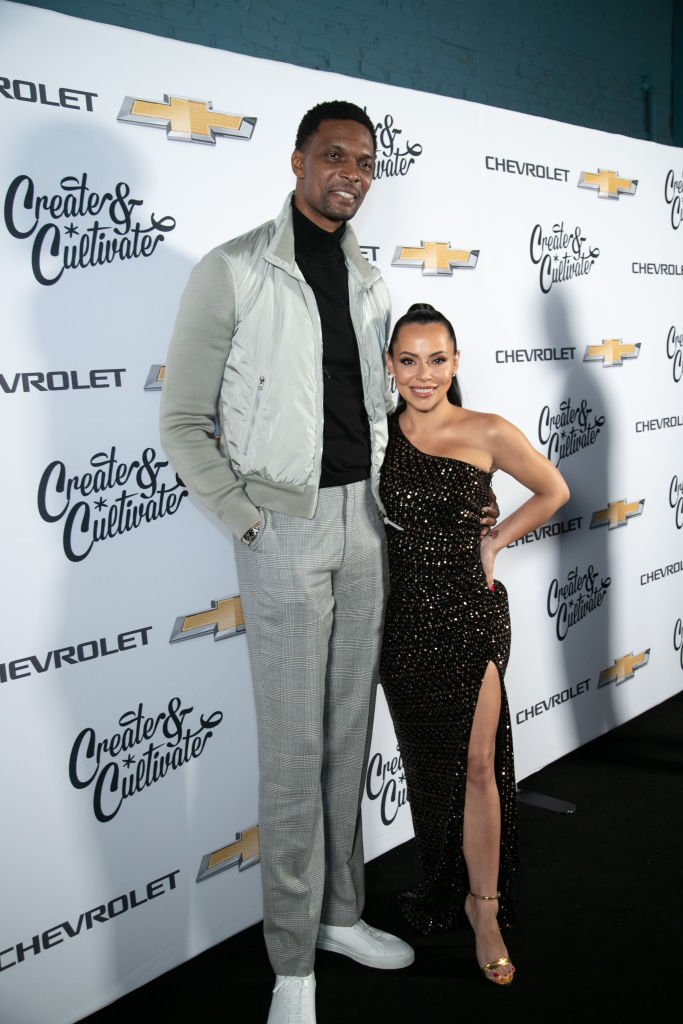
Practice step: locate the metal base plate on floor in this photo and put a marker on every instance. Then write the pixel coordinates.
(548, 803)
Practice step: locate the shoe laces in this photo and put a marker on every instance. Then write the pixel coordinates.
(367, 929)
(297, 992)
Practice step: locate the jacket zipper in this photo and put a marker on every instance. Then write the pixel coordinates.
(254, 411)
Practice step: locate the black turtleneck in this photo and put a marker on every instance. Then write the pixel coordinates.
(346, 431)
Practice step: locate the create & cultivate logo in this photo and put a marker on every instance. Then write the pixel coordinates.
(561, 254)
(111, 498)
(141, 751)
(579, 595)
(569, 429)
(77, 227)
(394, 156)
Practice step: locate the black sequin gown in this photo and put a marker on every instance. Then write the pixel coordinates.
(443, 626)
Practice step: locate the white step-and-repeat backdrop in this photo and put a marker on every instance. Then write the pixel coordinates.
(127, 736)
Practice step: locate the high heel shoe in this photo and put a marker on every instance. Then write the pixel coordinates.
(491, 969)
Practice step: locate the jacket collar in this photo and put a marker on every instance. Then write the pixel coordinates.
(280, 251)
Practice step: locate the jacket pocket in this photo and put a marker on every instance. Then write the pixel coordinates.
(253, 414)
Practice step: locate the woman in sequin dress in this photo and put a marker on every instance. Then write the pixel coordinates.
(447, 633)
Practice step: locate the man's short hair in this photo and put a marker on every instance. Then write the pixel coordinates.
(332, 110)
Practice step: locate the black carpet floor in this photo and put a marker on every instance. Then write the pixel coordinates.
(598, 936)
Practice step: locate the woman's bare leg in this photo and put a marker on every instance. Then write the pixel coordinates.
(481, 826)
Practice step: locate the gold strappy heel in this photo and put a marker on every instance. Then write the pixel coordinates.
(491, 969)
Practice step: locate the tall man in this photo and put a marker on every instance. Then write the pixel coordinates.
(283, 329)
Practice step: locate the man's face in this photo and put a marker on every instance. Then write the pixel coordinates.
(333, 171)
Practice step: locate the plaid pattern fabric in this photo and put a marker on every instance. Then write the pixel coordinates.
(313, 594)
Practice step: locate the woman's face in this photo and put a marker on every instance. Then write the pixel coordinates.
(423, 361)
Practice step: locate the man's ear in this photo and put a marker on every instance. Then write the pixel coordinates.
(298, 163)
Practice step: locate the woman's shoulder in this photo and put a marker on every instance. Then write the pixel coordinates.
(488, 422)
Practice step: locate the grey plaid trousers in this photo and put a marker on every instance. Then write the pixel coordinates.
(313, 593)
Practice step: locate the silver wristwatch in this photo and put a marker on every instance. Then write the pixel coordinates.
(251, 534)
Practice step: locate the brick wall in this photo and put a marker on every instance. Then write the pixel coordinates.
(604, 64)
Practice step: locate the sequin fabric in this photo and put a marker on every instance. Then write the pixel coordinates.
(443, 626)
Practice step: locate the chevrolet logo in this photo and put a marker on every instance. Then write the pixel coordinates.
(186, 120)
(224, 618)
(608, 184)
(612, 352)
(623, 668)
(244, 852)
(434, 258)
(617, 513)
(155, 378)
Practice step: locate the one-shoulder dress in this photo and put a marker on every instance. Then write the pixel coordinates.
(443, 626)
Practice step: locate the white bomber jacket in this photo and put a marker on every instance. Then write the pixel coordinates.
(248, 343)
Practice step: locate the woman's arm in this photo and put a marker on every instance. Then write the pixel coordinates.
(514, 454)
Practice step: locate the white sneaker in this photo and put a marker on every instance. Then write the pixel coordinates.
(366, 945)
(293, 1000)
